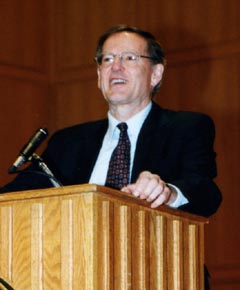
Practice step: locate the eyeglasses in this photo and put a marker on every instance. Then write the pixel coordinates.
(127, 58)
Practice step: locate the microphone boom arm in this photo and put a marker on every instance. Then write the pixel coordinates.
(43, 166)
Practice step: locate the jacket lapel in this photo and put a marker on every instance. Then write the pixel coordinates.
(89, 151)
(151, 140)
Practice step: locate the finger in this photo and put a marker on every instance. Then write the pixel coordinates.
(141, 184)
(129, 188)
(153, 187)
(145, 184)
(162, 198)
(155, 192)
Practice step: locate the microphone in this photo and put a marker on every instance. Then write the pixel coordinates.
(29, 149)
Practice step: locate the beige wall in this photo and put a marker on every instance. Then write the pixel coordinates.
(48, 78)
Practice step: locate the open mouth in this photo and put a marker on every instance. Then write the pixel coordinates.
(118, 82)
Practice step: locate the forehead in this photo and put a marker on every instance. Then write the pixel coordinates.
(125, 41)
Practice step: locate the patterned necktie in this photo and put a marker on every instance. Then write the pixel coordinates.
(118, 170)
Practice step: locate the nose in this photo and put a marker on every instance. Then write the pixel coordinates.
(117, 63)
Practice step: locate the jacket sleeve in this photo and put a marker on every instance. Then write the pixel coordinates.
(198, 168)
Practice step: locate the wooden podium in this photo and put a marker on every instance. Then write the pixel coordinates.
(90, 237)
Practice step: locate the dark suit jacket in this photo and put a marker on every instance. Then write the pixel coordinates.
(178, 146)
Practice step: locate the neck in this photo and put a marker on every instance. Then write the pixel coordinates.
(125, 112)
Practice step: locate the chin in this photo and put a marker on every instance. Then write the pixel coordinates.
(117, 99)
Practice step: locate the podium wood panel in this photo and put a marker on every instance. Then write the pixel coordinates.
(91, 237)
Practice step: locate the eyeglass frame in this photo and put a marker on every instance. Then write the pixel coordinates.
(138, 56)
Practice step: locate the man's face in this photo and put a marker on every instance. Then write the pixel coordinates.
(122, 84)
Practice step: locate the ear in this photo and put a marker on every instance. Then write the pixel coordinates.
(157, 74)
(99, 76)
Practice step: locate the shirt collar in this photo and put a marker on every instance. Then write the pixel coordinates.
(134, 123)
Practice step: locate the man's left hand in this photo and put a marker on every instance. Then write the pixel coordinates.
(151, 188)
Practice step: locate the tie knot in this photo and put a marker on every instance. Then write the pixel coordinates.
(122, 127)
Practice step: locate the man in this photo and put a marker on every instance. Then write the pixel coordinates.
(171, 157)
(171, 153)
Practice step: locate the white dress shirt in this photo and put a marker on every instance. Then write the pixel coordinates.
(110, 141)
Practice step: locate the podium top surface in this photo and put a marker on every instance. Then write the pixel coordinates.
(92, 189)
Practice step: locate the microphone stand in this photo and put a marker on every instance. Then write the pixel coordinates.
(5, 284)
(43, 166)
